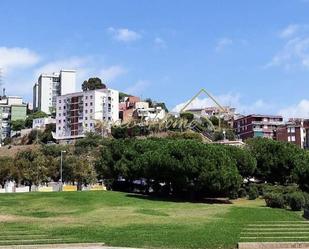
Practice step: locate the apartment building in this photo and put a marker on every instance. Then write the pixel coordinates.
(127, 107)
(229, 113)
(133, 108)
(50, 86)
(149, 113)
(11, 108)
(212, 111)
(41, 123)
(77, 113)
(257, 126)
(295, 131)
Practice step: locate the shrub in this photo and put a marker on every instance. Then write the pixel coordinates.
(184, 135)
(262, 188)
(253, 192)
(233, 194)
(7, 141)
(306, 196)
(296, 201)
(279, 189)
(275, 200)
(242, 193)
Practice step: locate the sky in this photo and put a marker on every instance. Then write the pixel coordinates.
(253, 55)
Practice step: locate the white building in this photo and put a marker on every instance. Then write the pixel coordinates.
(40, 123)
(77, 113)
(49, 86)
(151, 113)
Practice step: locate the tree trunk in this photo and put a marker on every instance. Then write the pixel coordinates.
(79, 186)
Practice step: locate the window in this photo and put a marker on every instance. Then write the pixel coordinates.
(86, 97)
(59, 115)
(86, 125)
(293, 138)
(59, 108)
(59, 101)
(90, 110)
(90, 96)
(90, 103)
(59, 121)
(91, 124)
(86, 118)
(292, 129)
(86, 111)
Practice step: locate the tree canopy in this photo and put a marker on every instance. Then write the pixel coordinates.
(30, 117)
(18, 124)
(93, 84)
(275, 160)
(179, 165)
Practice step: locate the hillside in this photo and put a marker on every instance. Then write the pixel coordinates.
(12, 150)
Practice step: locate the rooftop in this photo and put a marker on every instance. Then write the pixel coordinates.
(261, 116)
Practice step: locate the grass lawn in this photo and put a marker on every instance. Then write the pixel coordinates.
(121, 219)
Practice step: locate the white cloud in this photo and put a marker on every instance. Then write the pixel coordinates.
(207, 102)
(112, 72)
(300, 110)
(223, 43)
(17, 57)
(159, 42)
(85, 67)
(289, 31)
(295, 52)
(138, 88)
(124, 34)
(229, 99)
(21, 83)
(75, 63)
(82, 65)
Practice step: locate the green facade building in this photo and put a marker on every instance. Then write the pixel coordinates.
(18, 112)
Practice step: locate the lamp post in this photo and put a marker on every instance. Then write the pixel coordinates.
(61, 163)
(224, 135)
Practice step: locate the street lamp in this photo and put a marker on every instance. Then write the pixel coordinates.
(61, 162)
(224, 135)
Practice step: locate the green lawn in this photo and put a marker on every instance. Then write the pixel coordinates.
(122, 219)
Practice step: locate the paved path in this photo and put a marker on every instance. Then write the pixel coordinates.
(64, 246)
(273, 245)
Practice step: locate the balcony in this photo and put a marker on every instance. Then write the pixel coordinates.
(271, 122)
(5, 115)
(267, 130)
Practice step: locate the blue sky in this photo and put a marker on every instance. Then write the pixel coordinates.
(250, 54)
